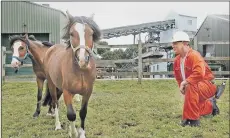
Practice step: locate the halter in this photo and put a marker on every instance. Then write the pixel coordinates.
(87, 50)
(27, 52)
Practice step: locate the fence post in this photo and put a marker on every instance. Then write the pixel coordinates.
(139, 60)
(134, 39)
(3, 62)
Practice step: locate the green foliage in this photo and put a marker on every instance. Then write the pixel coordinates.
(191, 43)
(119, 54)
(130, 53)
(113, 55)
(117, 109)
(101, 51)
(102, 43)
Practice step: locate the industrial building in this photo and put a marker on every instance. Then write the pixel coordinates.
(42, 21)
(212, 40)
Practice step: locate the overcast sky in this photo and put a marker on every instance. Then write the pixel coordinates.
(115, 14)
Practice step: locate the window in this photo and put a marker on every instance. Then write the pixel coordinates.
(153, 67)
(204, 50)
(157, 67)
(189, 22)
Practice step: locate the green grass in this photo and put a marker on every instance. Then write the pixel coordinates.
(117, 109)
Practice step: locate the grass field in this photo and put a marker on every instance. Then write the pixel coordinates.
(117, 109)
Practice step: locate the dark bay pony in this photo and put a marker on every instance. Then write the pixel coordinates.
(24, 47)
(72, 69)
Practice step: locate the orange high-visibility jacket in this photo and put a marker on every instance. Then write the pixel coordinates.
(196, 69)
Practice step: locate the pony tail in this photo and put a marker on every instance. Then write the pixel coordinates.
(47, 99)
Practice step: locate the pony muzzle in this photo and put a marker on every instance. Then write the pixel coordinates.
(83, 61)
(17, 61)
(82, 57)
(16, 65)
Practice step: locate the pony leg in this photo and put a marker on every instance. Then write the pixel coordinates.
(50, 112)
(40, 83)
(48, 100)
(53, 93)
(71, 115)
(57, 123)
(72, 130)
(82, 114)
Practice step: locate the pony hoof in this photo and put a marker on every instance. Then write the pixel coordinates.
(58, 128)
(73, 136)
(82, 136)
(81, 132)
(36, 114)
(73, 133)
(49, 114)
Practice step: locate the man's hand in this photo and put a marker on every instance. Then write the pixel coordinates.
(182, 86)
(182, 89)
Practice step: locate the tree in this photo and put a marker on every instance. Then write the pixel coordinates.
(102, 43)
(191, 43)
(108, 55)
(113, 55)
(144, 49)
(100, 51)
(130, 53)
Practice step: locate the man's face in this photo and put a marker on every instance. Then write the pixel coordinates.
(178, 47)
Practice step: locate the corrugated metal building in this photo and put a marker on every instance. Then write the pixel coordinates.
(43, 22)
(212, 39)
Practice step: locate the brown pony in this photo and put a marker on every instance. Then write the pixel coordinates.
(72, 69)
(24, 47)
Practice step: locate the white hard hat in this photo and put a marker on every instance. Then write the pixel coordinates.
(180, 36)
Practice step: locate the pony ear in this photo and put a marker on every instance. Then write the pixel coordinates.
(69, 16)
(26, 36)
(92, 16)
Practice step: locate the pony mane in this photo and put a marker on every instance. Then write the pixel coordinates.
(82, 19)
(15, 38)
(23, 38)
(32, 37)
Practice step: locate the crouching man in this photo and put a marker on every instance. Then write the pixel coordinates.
(195, 81)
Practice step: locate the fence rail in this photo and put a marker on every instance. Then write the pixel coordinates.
(125, 74)
(151, 73)
(134, 74)
(106, 62)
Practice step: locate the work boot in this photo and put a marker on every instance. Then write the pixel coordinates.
(220, 90)
(215, 109)
(184, 123)
(194, 123)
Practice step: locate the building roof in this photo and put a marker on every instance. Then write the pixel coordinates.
(187, 16)
(221, 16)
(216, 16)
